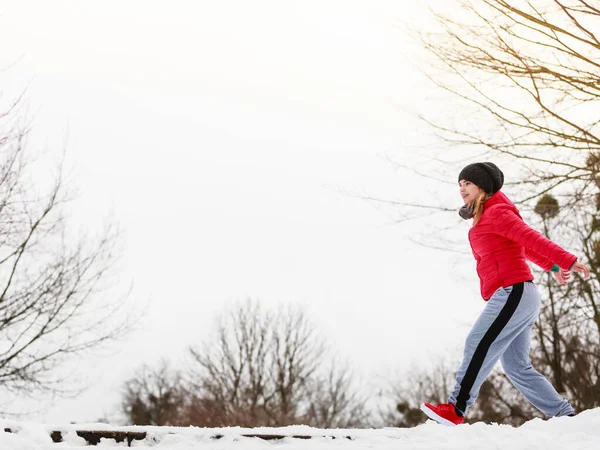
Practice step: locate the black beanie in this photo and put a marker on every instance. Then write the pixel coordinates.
(486, 175)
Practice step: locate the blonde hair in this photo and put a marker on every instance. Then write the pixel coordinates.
(477, 206)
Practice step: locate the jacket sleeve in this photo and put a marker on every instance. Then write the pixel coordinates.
(508, 224)
(541, 261)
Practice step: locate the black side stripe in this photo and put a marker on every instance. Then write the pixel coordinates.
(484, 345)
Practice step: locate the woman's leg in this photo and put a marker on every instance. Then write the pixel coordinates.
(533, 385)
(507, 313)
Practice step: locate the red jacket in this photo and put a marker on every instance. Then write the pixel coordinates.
(502, 243)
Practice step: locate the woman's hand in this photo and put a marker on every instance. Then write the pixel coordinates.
(562, 276)
(581, 268)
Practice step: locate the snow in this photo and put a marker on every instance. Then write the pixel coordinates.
(573, 433)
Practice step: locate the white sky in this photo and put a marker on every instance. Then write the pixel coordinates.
(577, 433)
(219, 135)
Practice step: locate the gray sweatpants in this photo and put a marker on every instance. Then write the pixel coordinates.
(502, 332)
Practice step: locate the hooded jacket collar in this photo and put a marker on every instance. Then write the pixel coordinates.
(496, 199)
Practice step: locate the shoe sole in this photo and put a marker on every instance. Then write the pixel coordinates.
(432, 415)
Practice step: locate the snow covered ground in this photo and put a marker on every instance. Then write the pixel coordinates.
(572, 433)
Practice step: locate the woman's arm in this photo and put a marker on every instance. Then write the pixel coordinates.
(509, 225)
(541, 261)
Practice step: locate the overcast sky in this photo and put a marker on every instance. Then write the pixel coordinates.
(222, 136)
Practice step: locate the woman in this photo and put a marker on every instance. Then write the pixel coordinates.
(502, 243)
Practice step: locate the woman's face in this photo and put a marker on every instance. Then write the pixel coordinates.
(468, 191)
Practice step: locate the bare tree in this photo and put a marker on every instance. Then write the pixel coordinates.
(155, 397)
(530, 72)
(521, 87)
(334, 402)
(264, 369)
(235, 370)
(53, 287)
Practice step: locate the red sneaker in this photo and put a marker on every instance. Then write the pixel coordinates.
(444, 414)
